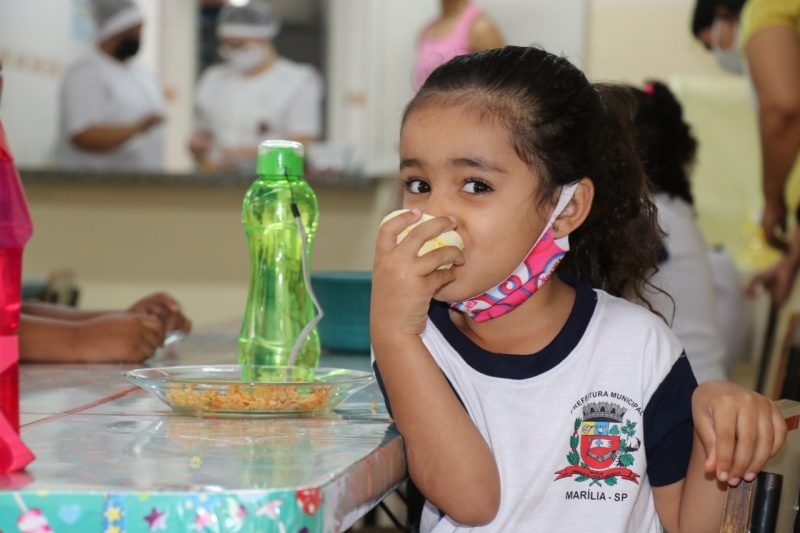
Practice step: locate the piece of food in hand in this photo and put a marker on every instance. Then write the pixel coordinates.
(448, 238)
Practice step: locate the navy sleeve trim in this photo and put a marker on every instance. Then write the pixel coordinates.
(521, 366)
(380, 385)
(668, 426)
(386, 397)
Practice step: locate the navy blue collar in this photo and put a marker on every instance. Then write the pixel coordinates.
(521, 366)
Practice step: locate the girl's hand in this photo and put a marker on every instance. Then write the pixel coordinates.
(740, 429)
(402, 283)
(116, 338)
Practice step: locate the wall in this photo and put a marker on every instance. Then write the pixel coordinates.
(35, 51)
(125, 241)
(177, 25)
(631, 40)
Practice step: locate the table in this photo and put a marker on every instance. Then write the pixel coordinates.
(113, 458)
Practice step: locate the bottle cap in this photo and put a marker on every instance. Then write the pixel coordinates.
(280, 158)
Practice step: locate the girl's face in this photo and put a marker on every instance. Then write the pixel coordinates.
(453, 162)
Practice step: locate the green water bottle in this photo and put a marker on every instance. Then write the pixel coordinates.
(279, 213)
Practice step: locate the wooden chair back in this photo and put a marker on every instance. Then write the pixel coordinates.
(769, 504)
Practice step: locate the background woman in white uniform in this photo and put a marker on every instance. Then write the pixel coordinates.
(111, 107)
(254, 95)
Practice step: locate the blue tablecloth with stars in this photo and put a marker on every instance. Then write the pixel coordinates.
(112, 458)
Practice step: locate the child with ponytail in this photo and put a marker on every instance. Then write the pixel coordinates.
(531, 394)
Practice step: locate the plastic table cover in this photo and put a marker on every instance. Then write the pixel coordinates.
(112, 458)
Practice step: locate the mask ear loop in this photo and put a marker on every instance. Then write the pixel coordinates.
(567, 191)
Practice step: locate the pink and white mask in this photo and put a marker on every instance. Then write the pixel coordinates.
(535, 270)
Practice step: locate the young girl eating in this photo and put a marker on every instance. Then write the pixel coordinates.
(531, 393)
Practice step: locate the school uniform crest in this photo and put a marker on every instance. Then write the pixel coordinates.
(601, 446)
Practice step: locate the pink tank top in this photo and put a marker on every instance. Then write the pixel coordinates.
(435, 51)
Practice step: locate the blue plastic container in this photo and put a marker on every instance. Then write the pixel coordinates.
(344, 297)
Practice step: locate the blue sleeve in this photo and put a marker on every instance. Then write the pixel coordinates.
(668, 427)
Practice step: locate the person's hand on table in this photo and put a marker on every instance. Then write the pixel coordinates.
(773, 223)
(166, 309)
(117, 338)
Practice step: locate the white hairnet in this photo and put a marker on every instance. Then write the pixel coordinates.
(114, 16)
(252, 20)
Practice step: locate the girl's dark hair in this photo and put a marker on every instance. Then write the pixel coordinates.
(566, 128)
(706, 10)
(664, 141)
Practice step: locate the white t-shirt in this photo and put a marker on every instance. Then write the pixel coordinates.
(581, 430)
(283, 101)
(733, 307)
(98, 90)
(685, 274)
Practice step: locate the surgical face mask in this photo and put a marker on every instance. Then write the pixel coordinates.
(127, 48)
(729, 59)
(245, 58)
(532, 273)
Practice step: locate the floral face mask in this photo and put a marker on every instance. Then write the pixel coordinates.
(535, 270)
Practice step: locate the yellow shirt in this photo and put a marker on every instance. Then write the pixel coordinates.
(760, 14)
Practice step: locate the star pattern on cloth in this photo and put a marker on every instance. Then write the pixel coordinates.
(113, 513)
(156, 520)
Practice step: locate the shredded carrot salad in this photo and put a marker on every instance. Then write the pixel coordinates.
(261, 398)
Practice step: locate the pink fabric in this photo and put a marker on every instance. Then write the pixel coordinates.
(534, 272)
(15, 219)
(14, 455)
(537, 267)
(433, 51)
(15, 230)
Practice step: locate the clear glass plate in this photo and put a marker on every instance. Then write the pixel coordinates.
(218, 390)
